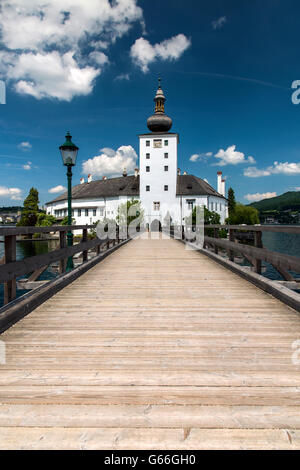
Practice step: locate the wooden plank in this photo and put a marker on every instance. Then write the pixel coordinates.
(154, 438)
(175, 352)
(150, 416)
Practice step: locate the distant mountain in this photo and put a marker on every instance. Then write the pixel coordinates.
(284, 202)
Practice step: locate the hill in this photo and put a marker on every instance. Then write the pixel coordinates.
(289, 201)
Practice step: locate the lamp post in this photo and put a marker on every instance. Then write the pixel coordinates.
(69, 154)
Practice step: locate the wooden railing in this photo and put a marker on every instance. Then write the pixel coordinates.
(255, 253)
(11, 269)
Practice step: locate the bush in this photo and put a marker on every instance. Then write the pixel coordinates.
(243, 215)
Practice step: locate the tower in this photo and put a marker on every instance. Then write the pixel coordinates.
(158, 165)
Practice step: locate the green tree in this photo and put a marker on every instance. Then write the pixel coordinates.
(45, 220)
(244, 215)
(210, 217)
(129, 211)
(30, 209)
(231, 202)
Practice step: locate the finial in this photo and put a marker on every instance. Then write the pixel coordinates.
(159, 82)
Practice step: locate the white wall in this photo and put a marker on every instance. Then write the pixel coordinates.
(157, 178)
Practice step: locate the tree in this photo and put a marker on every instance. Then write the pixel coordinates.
(210, 217)
(244, 215)
(231, 202)
(45, 220)
(129, 211)
(30, 209)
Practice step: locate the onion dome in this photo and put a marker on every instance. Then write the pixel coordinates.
(159, 122)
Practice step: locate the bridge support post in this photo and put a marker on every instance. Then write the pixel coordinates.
(62, 244)
(10, 253)
(216, 235)
(231, 239)
(84, 239)
(257, 244)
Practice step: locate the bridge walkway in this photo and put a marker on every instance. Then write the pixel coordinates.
(156, 347)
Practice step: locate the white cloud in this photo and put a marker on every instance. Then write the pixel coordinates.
(231, 156)
(143, 53)
(253, 172)
(25, 146)
(57, 189)
(111, 162)
(259, 196)
(275, 169)
(12, 193)
(217, 24)
(44, 43)
(123, 76)
(200, 156)
(99, 58)
(27, 166)
(285, 168)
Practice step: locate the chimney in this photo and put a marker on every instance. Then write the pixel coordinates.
(185, 173)
(104, 178)
(178, 171)
(124, 172)
(136, 172)
(219, 189)
(81, 180)
(223, 192)
(90, 178)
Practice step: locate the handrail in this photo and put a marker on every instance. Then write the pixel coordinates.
(10, 268)
(259, 228)
(257, 253)
(31, 230)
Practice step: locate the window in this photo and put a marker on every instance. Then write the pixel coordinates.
(156, 206)
(190, 203)
(86, 212)
(101, 212)
(94, 212)
(166, 143)
(166, 155)
(147, 188)
(147, 143)
(157, 143)
(166, 168)
(148, 169)
(79, 212)
(148, 156)
(166, 187)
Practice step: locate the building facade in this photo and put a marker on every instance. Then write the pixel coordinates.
(165, 194)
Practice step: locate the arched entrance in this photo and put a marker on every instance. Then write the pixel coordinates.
(155, 226)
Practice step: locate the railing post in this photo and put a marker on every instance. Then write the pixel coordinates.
(84, 240)
(231, 239)
(216, 235)
(10, 254)
(62, 244)
(257, 244)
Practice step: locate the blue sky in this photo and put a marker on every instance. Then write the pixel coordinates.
(92, 68)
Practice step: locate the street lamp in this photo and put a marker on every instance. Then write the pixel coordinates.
(69, 154)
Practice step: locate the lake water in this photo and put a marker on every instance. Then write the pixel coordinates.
(280, 242)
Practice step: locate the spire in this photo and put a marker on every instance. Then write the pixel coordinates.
(159, 99)
(159, 122)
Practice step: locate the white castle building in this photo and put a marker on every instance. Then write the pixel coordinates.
(158, 184)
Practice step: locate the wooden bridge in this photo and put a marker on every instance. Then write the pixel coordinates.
(156, 347)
